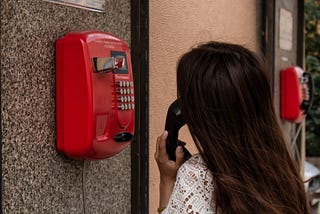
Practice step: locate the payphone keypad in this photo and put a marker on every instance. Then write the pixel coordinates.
(125, 95)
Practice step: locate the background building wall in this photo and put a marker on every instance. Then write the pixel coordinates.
(175, 26)
(36, 179)
(286, 57)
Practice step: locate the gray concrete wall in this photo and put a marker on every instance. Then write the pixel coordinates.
(36, 179)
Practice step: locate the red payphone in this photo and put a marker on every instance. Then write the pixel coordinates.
(94, 95)
(296, 94)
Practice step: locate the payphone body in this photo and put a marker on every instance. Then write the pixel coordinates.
(296, 93)
(94, 95)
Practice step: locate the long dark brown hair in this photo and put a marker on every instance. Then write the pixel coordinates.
(226, 100)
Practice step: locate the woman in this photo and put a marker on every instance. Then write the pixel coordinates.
(243, 165)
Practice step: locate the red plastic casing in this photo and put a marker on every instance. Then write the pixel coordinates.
(87, 107)
(291, 94)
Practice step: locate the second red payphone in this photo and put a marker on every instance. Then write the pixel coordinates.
(296, 93)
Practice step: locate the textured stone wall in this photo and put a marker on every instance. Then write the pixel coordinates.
(36, 179)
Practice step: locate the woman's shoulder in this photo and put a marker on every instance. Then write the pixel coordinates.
(195, 168)
(193, 190)
(195, 162)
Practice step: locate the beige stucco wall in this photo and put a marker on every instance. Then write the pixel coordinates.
(174, 27)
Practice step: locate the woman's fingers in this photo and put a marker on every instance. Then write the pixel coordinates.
(161, 152)
(162, 144)
(179, 156)
(156, 154)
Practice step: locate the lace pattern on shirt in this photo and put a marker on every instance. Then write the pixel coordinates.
(193, 189)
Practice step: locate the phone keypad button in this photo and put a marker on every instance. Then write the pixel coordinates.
(121, 107)
(120, 99)
(119, 83)
(120, 91)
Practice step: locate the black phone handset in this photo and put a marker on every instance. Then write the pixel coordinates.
(309, 92)
(174, 122)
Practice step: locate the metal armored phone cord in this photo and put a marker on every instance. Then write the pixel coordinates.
(294, 147)
(83, 186)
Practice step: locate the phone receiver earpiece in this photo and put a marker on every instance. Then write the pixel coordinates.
(174, 122)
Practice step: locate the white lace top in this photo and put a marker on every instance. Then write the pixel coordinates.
(193, 189)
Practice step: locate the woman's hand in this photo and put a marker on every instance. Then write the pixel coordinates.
(168, 168)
